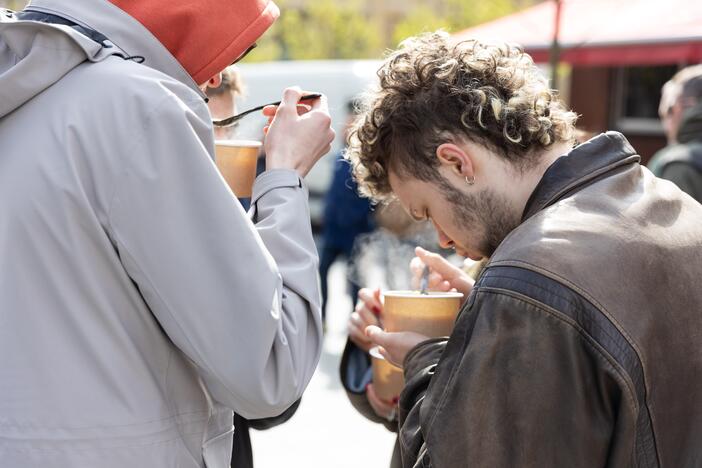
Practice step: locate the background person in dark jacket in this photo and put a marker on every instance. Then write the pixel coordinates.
(571, 350)
(346, 216)
(681, 115)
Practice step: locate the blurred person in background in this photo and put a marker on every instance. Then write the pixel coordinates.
(222, 100)
(570, 349)
(222, 104)
(355, 368)
(681, 114)
(346, 216)
(390, 247)
(139, 304)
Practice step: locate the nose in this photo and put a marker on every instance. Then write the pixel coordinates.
(444, 241)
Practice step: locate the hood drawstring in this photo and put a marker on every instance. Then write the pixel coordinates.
(135, 58)
(31, 15)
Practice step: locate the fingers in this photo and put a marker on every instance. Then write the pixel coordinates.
(436, 280)
(365, 316)
(437, 263)
(417, 268)
(302, 109)
(394, 346)
(358, 337)
(381, 407)
(376, 295)
(371, 299)
(299, 134)
(291, 97)
(376, 335)
(269, 111)
(321, 103)
(363, 319)
(444, 276)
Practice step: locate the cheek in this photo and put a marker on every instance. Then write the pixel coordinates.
(444, 226)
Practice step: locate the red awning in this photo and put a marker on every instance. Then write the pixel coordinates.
(604, 32)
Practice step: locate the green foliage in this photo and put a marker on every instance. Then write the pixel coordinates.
(342, 29)
(421, 19)
(325, 29)
(462, 14)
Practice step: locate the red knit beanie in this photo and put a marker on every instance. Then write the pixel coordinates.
(204, 35)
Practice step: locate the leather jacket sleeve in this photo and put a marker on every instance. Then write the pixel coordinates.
(419, 367)
(518, 384)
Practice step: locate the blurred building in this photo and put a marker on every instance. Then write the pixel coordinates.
(619, 55)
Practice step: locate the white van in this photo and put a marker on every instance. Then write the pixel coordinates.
(340, 80)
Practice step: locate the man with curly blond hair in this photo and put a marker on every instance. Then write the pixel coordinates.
(570, 350)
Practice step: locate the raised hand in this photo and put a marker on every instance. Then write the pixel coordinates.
(443, 276)
(297, 136)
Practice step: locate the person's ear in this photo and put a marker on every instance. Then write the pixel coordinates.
(213, 82)
(457, 160)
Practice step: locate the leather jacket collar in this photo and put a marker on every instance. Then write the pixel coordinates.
(586, 163)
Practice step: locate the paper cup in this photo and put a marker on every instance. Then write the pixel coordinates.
(433, 314)
(236, 161)
(388, 380)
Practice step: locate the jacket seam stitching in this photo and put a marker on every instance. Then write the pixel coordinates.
(554, 293)
(556, 277)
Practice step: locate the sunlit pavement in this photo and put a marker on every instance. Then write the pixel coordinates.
(326, 431)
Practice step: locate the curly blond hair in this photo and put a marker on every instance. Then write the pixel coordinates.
(432, 91)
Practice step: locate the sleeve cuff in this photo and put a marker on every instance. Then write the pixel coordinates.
(425, 353)
(273, 179)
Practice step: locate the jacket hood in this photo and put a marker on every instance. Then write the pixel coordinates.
(204, 35)
(691, 124)
(34, 56)
(189, 40)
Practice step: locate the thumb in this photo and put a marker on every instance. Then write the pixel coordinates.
(377, 335)
(291, 97)
(381, 339)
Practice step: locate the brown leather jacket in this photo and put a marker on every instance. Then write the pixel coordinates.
(581, 344)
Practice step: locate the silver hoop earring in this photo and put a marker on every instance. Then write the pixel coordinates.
(470, 181)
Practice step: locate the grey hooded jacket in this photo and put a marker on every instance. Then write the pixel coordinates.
(139, 304)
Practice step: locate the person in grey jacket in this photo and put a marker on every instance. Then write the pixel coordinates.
(578, 345)
(139, 304)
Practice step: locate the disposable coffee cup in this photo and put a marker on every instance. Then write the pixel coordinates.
(236, 161)
(388, 379)
(433, 314)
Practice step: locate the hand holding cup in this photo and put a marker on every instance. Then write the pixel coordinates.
(366, 313)
(394, 346)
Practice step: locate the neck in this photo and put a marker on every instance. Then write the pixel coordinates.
(529, 179)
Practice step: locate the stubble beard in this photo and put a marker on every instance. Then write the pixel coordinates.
(486, 214)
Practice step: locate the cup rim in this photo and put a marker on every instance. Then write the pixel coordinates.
(239, 143)
(418, 295)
